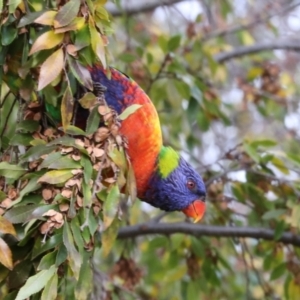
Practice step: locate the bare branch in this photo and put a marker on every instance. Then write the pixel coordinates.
(142, 6)
(206, 230)
(246, 50)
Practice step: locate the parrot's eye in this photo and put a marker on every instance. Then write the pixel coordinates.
(191, 184)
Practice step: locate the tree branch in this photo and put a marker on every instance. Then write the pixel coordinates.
(263, 17)
(246, 50)
(139, 7)
(206, 230)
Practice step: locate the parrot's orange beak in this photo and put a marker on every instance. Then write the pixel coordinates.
(195, 210)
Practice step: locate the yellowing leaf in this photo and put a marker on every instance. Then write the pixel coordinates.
(97, 44)
(88, 100)
(6, 227)
(56, 176)
(279, 164)
(247, 38)
(5, 255)
(47, 18)
(111, 206)
(67, 14)
(47, 40)
(129, 110)
(67, 106)
(109, 236)
(76, 24)
(51, 68)
(75, 260)
(50, 290)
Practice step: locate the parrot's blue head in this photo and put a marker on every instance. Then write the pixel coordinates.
(176, 186)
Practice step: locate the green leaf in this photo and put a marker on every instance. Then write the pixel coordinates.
(62, 255)
(279, 230)
(11, 171)
(67, 14)
(109, 236)
(81, 74)
(27, 126)
(85, 282)
(88, 100)
(56, 176)
(129, 111)
(19, 274)
(131, 184)
(29, 18)
(20, 214)
(68, 142)
(87, 169)
(8, 34)
(93, 121)
(279, 164)
(50, 290)
(251, 151)
(21, 139)
(36, 152)
(263, 143)
(278, 271)
(274, 214)
(64, 162)
(41, 247)
(174, 43)
(294, 157)
(47, 261)
(111, 206)
(75, 227)
(73, 130)
(31, 186)
(75, 259)
(35, 283)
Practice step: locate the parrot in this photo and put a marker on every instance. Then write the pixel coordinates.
(163, 178)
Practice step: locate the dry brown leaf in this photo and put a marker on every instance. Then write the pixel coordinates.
(12, 193)
(103, 109)
(77, 172)
(76, 157)
(67, 193)
(50, 213)
(101, 134)
(80, 142)
(66, 150)
(6, 203)
(47, 194)
(46, 227)
(98, 152)
(71, 49)
(79, 201)
(110, 180)
(63, 207)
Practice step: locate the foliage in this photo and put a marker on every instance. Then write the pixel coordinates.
(60, 186)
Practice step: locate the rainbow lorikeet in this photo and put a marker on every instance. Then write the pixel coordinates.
(163, 178)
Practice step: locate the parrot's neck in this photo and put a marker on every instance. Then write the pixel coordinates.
(168, 161)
